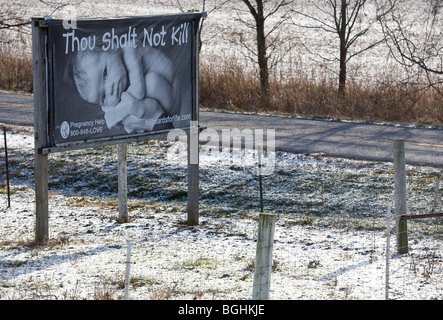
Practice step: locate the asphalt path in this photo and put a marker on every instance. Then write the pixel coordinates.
(16, 109)
(351, 140)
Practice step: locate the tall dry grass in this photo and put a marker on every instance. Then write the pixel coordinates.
(228, 85)
(15, 72)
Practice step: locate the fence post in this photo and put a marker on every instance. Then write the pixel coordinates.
(122, 183)
(436, 189)
(388, 250)
(7, 168)
(193, 174)
(400, 196)
(128, 267)
(40, 131)
(260, 179)
(263, 257)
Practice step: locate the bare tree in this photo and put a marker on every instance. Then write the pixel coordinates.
(349, 21)
(14, 18)
(414, 35)
(10, 18)
(268, 19)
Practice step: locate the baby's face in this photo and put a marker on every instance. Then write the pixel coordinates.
(107, 78)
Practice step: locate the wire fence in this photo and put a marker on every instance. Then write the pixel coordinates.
(420, 271)
(359, 265)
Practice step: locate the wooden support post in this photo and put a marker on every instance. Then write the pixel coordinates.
(422, 216)
(193, 174)
(193, 140)
(128, 268)
(263, 257)
(122, 183)
(40, 131)
(436, 190)
(7, 168)
(388, 250)
(400, 196)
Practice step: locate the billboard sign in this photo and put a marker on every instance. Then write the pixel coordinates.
(112, 78)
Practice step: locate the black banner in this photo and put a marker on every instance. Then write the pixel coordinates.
(109, 78)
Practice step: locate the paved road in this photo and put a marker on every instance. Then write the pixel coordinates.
(16, 109)
(334, 138)
(340, 139)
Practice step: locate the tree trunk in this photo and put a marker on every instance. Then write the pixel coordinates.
(343, 71)
(343, 48)
(259, 17)
(262, 61)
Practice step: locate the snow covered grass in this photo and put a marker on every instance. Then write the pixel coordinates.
(330, 237)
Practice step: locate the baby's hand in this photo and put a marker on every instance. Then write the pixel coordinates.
(126, 101)
(133, 106)
(132, 123)
(137, 89)
(114, 115)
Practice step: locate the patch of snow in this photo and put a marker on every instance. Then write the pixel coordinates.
(330, 239)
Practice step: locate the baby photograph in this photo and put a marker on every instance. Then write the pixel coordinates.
(119, 77)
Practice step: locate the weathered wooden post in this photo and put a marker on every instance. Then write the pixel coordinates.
(122, 183)
(400, 196)
(263, 257)
(193, 175)
(436, 189)
(128, 268)
(40, 129)
(7, 168)
(388, 250)
(193, 139)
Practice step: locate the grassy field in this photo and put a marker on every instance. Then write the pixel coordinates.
(330, 234)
